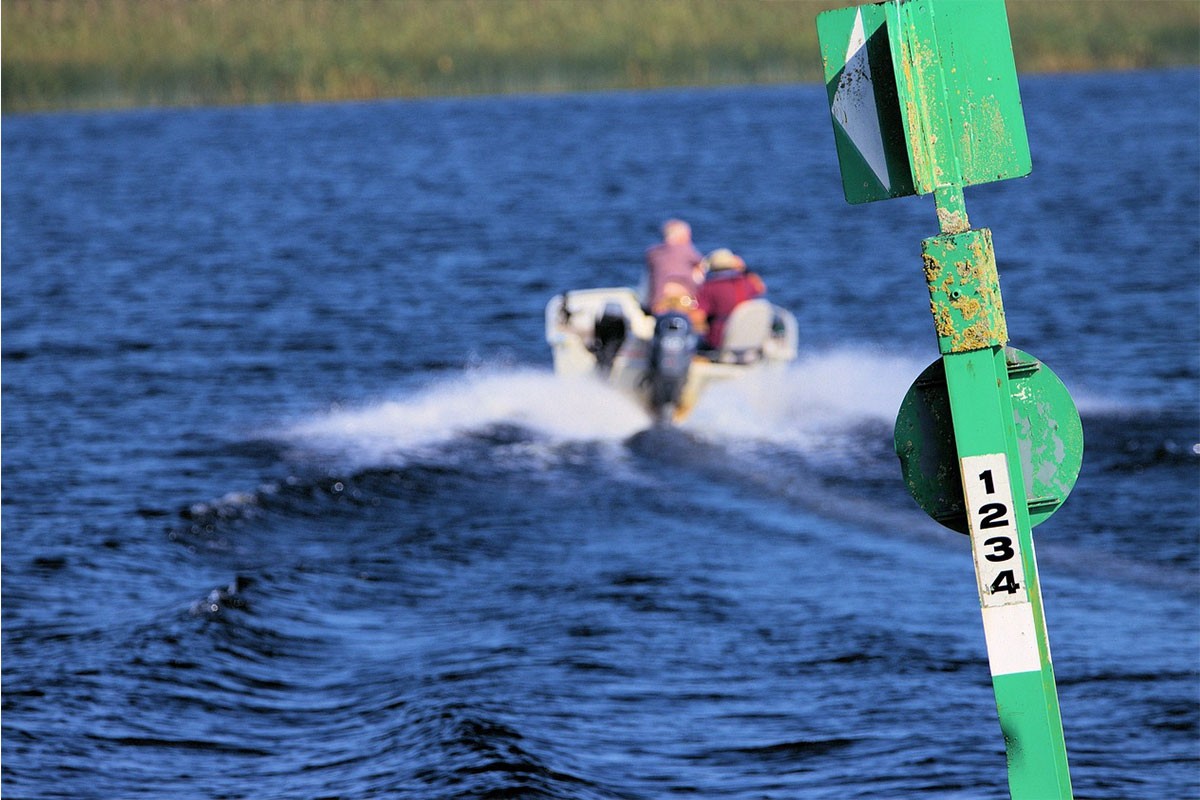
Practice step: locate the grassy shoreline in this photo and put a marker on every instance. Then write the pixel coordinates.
(71, 54)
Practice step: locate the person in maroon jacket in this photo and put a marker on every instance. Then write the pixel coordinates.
(727, 284)
(673, 263)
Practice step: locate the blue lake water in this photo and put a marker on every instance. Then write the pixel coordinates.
(293, 506)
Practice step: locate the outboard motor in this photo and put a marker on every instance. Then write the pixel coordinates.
(670, 359)
(609, 335)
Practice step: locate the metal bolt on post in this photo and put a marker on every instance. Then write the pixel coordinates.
(924, 100)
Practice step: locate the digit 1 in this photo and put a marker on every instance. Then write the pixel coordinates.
(989, 484)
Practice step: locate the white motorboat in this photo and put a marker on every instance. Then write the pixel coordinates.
(606, 332)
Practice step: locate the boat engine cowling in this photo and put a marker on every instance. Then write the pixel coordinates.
(608, 336)
(671, 355)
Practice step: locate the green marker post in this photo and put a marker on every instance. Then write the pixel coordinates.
(996, 505)
(924, 100)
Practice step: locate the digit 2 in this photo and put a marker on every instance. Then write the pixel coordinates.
(995, 515)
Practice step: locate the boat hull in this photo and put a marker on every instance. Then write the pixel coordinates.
(576, 335)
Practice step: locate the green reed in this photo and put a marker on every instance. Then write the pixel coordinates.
(59, 54)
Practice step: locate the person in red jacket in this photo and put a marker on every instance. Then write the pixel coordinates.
(727, 284)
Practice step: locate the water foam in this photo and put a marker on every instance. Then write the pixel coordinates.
(828, 393)
(819, 396)
(580, 409)
(801, 406)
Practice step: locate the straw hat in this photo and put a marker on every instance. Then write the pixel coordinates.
(724, 258)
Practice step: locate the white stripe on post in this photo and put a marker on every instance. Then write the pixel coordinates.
(1011, 639)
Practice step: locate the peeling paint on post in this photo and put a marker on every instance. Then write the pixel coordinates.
(964, 291)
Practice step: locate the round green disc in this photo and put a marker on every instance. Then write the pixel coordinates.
(1048, 431)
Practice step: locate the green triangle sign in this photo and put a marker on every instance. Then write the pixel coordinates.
(923, 95)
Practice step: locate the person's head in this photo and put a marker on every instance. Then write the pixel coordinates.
(723, 260)
(676, 231)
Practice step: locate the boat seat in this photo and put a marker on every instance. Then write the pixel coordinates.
(746, 332)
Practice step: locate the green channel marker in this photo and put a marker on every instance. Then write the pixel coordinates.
(924, 100)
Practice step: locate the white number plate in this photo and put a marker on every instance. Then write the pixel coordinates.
(994, 541)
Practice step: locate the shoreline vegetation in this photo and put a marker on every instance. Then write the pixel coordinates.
(59, 55)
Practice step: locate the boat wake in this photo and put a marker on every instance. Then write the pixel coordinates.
(808, 406)
(391, 432)
(815, 435)
(801, 406)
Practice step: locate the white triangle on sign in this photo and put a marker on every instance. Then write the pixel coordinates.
(854, 108)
